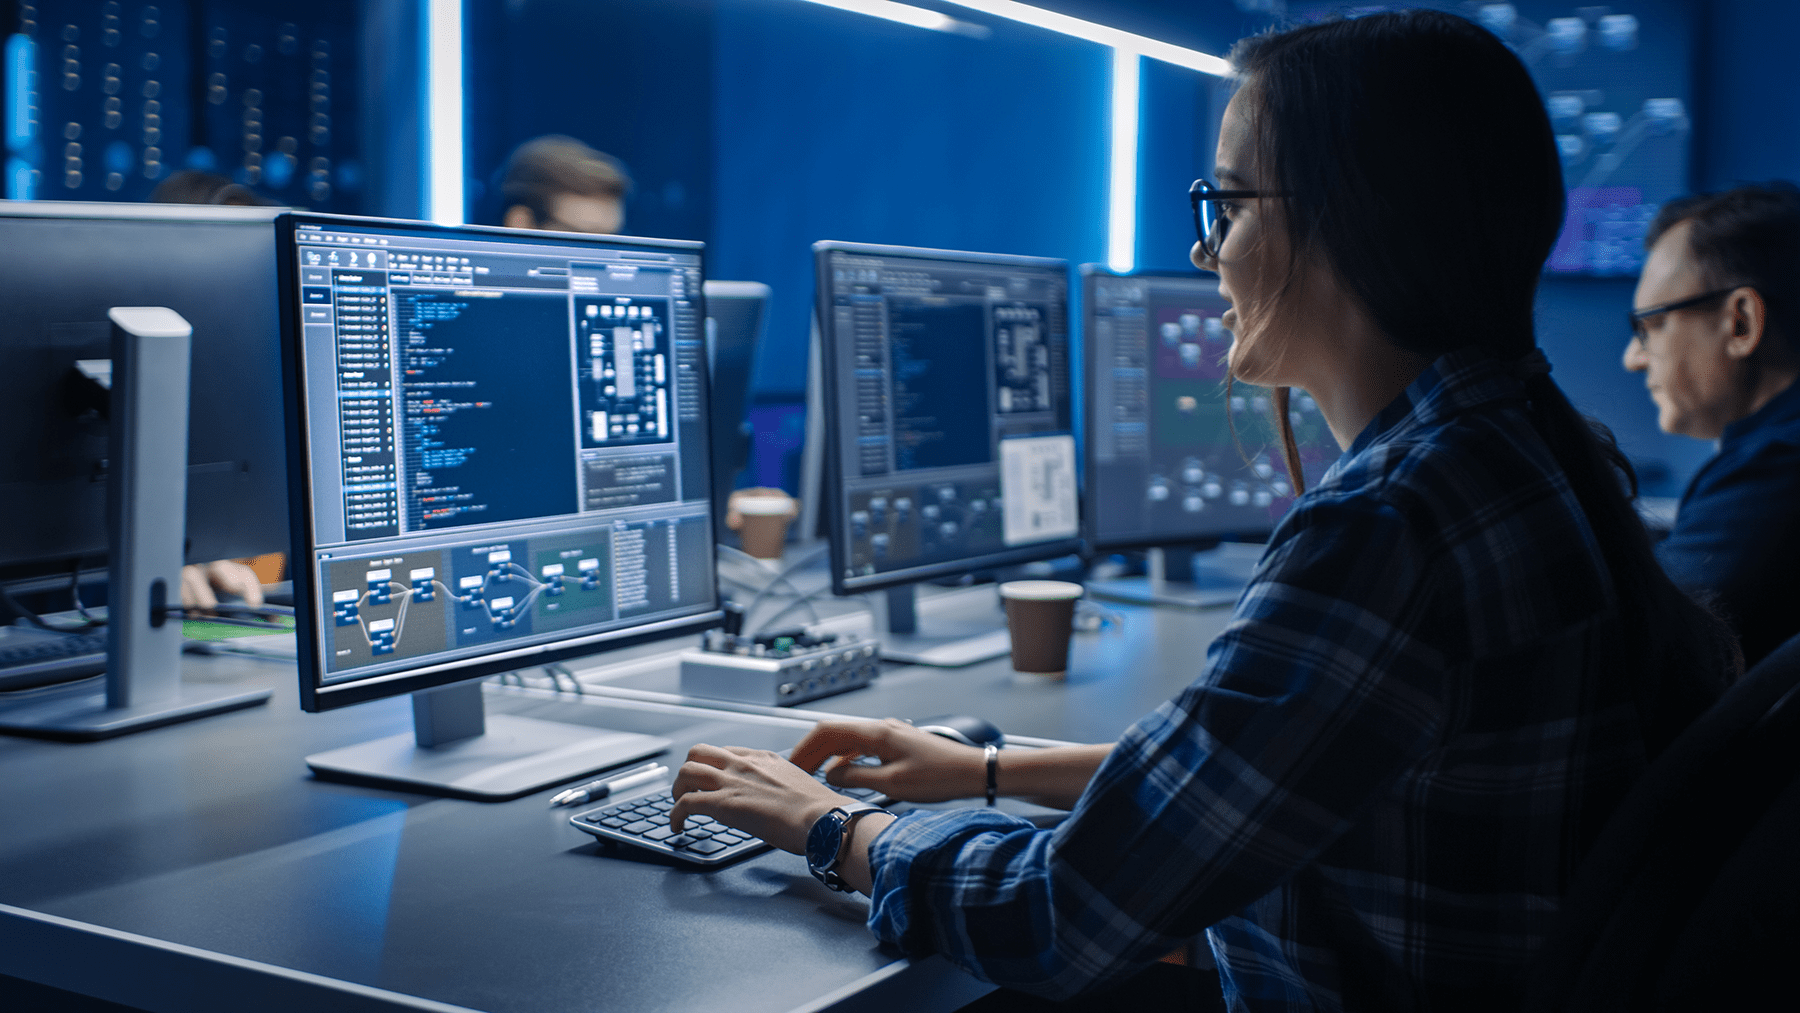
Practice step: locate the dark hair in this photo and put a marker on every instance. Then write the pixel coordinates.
(192, 186)
(1748, 235)
(554, 164)
(1412, 150)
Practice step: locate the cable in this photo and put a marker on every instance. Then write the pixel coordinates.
(6, 598)
(781, 577)
(557, 672)
(806, 600)
(75, 593)
(256, 610)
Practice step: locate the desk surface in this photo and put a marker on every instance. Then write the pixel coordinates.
(1116, 675)
(212, 835)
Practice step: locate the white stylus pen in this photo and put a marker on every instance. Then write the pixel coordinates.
(601, 789)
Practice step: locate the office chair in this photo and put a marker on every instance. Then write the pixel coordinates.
(1690, 899)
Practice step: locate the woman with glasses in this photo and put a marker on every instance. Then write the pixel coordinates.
(1455, 657)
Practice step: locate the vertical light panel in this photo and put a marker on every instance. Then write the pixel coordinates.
(1121, 212)
(444, 111)
(21, 116)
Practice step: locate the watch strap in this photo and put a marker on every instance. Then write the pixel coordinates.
(846, 816)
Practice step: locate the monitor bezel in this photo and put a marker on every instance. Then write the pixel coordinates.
(833, 480)
(315, 694)
(1090, 512)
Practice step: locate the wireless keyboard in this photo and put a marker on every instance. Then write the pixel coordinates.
(642, 821)
(32, 657)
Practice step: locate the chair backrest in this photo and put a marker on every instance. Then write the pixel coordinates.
(1689, 852)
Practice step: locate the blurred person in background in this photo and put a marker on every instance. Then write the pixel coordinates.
(1714, 333)
(202, 583)
(191, 186)
(556, 183)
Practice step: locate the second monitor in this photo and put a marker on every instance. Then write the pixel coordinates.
(949, 426)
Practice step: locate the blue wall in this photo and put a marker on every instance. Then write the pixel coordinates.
(831, 125)
(1750, 101)
(633, 78)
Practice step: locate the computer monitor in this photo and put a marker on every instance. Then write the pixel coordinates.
(736, 312)
(1171, 459)
(62, 267)
(498, 452)
(949, 436)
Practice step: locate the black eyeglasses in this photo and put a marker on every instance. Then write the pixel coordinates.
(1635, 319)
(1210, 221)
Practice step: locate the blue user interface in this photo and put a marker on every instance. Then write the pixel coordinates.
(505, 441)
(1173, 457)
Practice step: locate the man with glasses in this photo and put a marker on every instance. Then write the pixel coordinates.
(1716, 333)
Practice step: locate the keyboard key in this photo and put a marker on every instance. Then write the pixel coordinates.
(661, 833)
(681, 841)
(729, 839)
(614, 821)
(639, 827)
(700, 820)
(665, 805)
(660, 819)
(706, 847)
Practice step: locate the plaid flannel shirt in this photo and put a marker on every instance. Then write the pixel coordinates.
(1376, 791)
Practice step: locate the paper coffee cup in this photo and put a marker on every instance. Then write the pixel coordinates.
(762, 522)
(1041, 617)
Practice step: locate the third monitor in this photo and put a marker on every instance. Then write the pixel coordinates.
(1173, 459)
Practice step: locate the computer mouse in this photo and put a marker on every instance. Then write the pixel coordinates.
(970, 731)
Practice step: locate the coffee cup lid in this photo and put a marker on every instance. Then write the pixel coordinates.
(762, 506)
(1040, 590)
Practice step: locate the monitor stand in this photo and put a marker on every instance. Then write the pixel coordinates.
(146, 506)
(946, 643)
(456, 748)
(1212, 578)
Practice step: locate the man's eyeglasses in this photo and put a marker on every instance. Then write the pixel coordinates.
(1636, 318)
(1210, 221)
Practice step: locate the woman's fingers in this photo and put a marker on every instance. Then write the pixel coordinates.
(843, 738)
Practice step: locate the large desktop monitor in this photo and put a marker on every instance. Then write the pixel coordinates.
(499, 460)
(949, 435)
(1171, 459)
(62, 267)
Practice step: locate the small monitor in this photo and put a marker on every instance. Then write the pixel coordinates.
(499, 459)
(736, 313)
(1172, 458)
(950, 444)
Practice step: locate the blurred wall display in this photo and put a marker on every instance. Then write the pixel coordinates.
(1617, 81)
(105, 99)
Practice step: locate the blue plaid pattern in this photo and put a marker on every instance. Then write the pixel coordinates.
(1375, 792)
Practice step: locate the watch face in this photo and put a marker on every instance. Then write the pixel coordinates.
(822, 841)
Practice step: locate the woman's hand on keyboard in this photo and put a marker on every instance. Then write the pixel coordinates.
(753, 790)
(916, 766)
